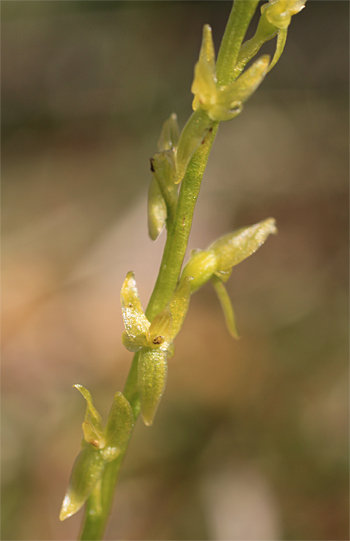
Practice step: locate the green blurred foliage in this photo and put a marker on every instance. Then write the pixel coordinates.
(251, 438)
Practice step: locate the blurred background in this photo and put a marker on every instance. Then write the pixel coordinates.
(251, 438)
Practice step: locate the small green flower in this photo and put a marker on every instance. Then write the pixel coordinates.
(213, 102)
(216, 262)
(153, 341)
(99, 446)
(223, 102)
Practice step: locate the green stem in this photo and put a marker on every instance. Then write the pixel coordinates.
(236, 28)
(177, 239)
(100, 502)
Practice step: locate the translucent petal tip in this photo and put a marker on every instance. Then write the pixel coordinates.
(69, 508)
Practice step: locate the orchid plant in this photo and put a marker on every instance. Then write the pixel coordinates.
(220, 89)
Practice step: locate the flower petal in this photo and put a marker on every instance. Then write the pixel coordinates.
(92, 425)
(226, 306)
(203, 86)
(86, 472)
(135, 320)
(234, 247)
(281, 41)
(207, 51)
(170, 134)
(245, 85)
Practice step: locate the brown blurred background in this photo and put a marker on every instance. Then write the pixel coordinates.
(251, 438)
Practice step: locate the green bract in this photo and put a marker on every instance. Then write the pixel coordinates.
(99, 447)
(154, 341)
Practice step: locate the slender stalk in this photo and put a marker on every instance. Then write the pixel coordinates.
(99, 503)
(236, 28)
(177, 239)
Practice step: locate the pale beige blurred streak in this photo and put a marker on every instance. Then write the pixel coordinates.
(240, 503)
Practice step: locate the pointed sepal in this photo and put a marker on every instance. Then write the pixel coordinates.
(204, 82)
(234, 247)
(92, 425)
(281, 41)
(135, 321)
(231, 97)
(87, 471)
(226, 305)
(169, 136)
